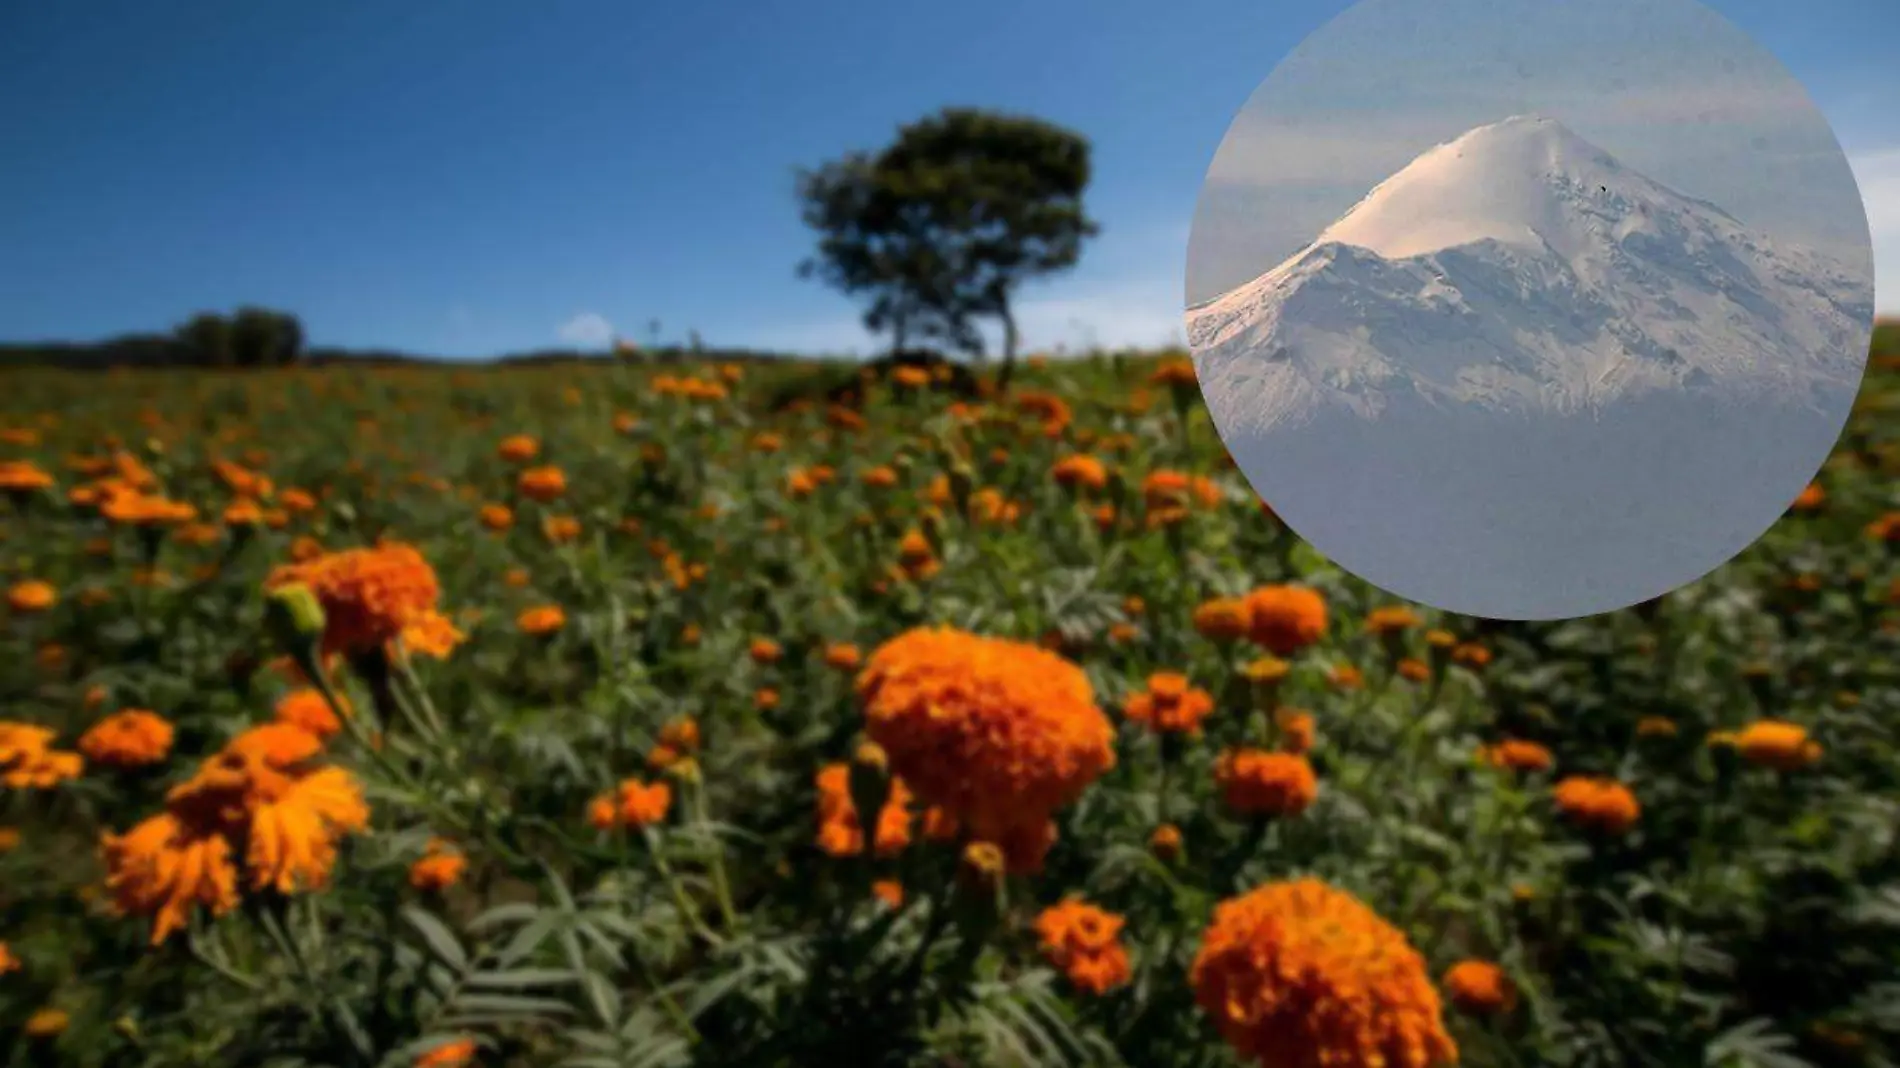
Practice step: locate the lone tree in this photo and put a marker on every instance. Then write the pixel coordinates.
(941, 227)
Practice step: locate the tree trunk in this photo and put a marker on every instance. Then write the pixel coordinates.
(1009, 347)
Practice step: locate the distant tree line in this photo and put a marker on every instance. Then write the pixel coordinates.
(245, 339)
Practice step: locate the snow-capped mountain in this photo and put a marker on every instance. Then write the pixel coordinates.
(1519, 268)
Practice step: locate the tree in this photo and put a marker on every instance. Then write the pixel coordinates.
(206, 337)
(1001, 198)
(942, 226)
(264, 338)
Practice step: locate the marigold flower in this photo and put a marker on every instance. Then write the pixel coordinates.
(890, 892)
(1083, 942)
(497, 517)
(541, 620)
(9, 839)
(999, 732)
(915, 555)
(1174, 373)
(46, 1023)
(518, 448)
(1777, 744)
(1598, 803)
(1471, 655)
(632, 804)
(1285, 619)
(1165, 842)
(843, 656)
(1259, 783)
(1302, 975)
(459, 1053)
(23, 476)
(764, 651)
(1391, 619)
(1080, 471)
(291, 840)
(440, 867)
(1655, 727)
(164, 867)
(678, 740)
(1480, 987)
(130, 738)
(1412, 669)
(1169, 705)
(309, 711)
(1222, 619)
(841, 833)
(1296, 730)
(1346, 677)
(32, 596)
(372, 597)
(1516, 754)
(28, 761)
(8, 962)
(542, 484)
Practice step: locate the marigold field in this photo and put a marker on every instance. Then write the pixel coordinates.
(631, 715)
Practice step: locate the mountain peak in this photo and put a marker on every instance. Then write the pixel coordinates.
(1515, 182)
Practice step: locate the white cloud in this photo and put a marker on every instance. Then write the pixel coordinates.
(1878, 174)
(588, 330)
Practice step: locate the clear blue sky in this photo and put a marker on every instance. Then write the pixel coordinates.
(471, 177)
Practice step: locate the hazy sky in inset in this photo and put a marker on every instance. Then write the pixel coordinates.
(1669, 87)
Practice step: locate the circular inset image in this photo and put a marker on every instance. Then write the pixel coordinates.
(1529, 309)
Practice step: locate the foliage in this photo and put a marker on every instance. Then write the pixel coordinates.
(1748, 916)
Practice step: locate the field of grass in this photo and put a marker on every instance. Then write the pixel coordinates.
(526, 716)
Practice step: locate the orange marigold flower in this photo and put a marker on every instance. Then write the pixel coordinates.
(1391, 619)
(1083, 942)
(1517, 755)
(1169, 705)
(1470, 654)
(32, 596)
(440, 867)
(1809, 499)
(1777, 744)
(1162, 489)
(1165, 842)
(999, 732)
(764, 651)
(890, 892)
(843, 656)
(678, 740)
(1222, 619)
(632, 804)
(164, 867)
(278, 745)
(308, 710)
(765, 699)
(130, 738)
(518, 448)
(297, 500)
(1598, 803)
(28, 761)
(1258, 783)
(542, 484)
(46, 1023)
(541, 620)
(372, 597)
(841, 833)
(1480, 987)
(1285, 619)
(1296, 730)
(8, 962)
(1302, 975)
(915, 556)
(459, 1053)
(1174, 373)
(23, 476)
(1885, 528)
(1412, 669)
(1346, 677)
(1655, 727)
(290, 843)
(1080, 471)
(497, 517)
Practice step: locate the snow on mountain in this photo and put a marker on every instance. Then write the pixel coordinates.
(1519, 268)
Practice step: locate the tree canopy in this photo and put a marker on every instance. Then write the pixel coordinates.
(939, 229)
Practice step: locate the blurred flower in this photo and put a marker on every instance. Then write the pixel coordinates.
(31, 596)
(131, 738)
(1296, 730)
(309, 711)
(1165, 842)
(631, 804)
(541, 620)
(1222, 619)
(1655, 727)
(889, 891)
(1480, 987)
(764, 651)
(1301, 975)
(459, 1053)
(518, 448)
(843, 656)
(497, 517)
(1777, 744)
(1255, 782)
(542, 484)
(1080, 471)
(1083, 942)
(28, 761)
(1285, 619)
(1169, 705)
(998, 732)
(46, 1023)
(1598, 803)
(1517, 755)
(440, 867)
(1412, 669)
(841, 834)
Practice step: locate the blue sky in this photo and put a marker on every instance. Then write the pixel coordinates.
(470, 177)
